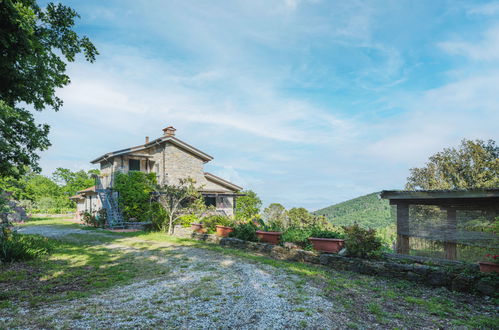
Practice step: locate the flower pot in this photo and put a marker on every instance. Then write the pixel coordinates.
(330, 245)
(197, 227)
(224, 231)
(271, 237)
(488, 267)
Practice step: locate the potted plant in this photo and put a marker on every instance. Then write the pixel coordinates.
(197, 227)
(270, 234)
(490, 266)
(327, 241)
(224, 226)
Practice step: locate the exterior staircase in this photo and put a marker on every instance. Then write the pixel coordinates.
(110, 204)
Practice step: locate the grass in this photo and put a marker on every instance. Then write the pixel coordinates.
(84, 264)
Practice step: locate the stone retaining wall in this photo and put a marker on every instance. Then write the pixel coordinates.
(456, 276)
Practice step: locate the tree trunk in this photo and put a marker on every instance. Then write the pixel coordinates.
(170, 226)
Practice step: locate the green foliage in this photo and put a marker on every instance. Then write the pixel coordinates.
(95, 219)
(176, 200)
(186, 220)
(245, 231)
(298, 236)
(268, 226)
(17, 247)
(277, 214)
(368, 211)
(41, 194)
(475, 164)
(248, 206)
(360, 242)
(324, 233)
(134, 194)
(211, 222)
(20, 139)
(35, 44)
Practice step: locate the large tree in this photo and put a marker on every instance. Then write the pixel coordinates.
(475, 164)
(35, 45)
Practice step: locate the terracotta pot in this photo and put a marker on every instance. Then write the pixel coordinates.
(330, 245)
(197, 227)
(488, 267)
(271, 237)
(224, 231)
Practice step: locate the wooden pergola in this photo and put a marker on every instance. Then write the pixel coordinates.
(451, 201)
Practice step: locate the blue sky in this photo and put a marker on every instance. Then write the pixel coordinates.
(308, 103)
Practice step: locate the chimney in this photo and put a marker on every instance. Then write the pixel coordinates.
(169, 131)
(147, 139)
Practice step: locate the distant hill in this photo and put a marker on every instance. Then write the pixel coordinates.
(368, 211)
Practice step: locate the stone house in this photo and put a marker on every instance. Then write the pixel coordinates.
(171, 159)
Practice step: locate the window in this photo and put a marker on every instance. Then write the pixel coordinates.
(134, 165)
(210, 201)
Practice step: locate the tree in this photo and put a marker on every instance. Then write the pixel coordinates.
(248, 206)
(174, 198)
(275, 213)
(35, 44)
(300, 217)
(72, 182)
(475, 164)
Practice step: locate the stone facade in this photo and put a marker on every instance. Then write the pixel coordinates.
(457, 276)
(171, 160)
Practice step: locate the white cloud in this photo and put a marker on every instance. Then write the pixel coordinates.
(488, 9)
(485, 50)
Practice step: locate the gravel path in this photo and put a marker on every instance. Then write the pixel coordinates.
(199, 289)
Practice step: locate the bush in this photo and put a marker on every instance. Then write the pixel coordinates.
(17, 247)
(245, 231)
(363, 243)
(186, 220)
(324, 233)
(95, 219)
(298, 236)
(211, 222)
(157, 215)
(134, 194)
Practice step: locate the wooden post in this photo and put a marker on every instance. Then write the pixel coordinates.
(450, 248)
(402, 228)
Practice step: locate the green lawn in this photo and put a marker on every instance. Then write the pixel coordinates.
(89, 263)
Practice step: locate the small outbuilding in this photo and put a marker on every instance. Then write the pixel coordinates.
(451, 224)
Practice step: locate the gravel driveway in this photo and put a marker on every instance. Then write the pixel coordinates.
(199, 289)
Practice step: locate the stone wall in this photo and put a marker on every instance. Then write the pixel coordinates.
(457, 276)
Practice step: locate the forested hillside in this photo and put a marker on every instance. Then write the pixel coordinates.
(368, 211)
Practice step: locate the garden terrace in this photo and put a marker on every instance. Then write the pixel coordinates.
(450, 224)
(99, 279)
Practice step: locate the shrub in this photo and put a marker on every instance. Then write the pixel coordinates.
(245, 231)
(186, 220)
(268, 226)
(17, 247)
(324, 233)
(361, 242)
(95, 219)
(211, 222)
(298, 236)
(134, 194)
(158, 215)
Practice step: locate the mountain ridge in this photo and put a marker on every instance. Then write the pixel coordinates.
(368, 211)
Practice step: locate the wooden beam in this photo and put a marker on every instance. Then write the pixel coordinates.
(402, 228)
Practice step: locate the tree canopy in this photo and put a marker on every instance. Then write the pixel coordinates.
(35, 46)
(475, 164)
(248, 206)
